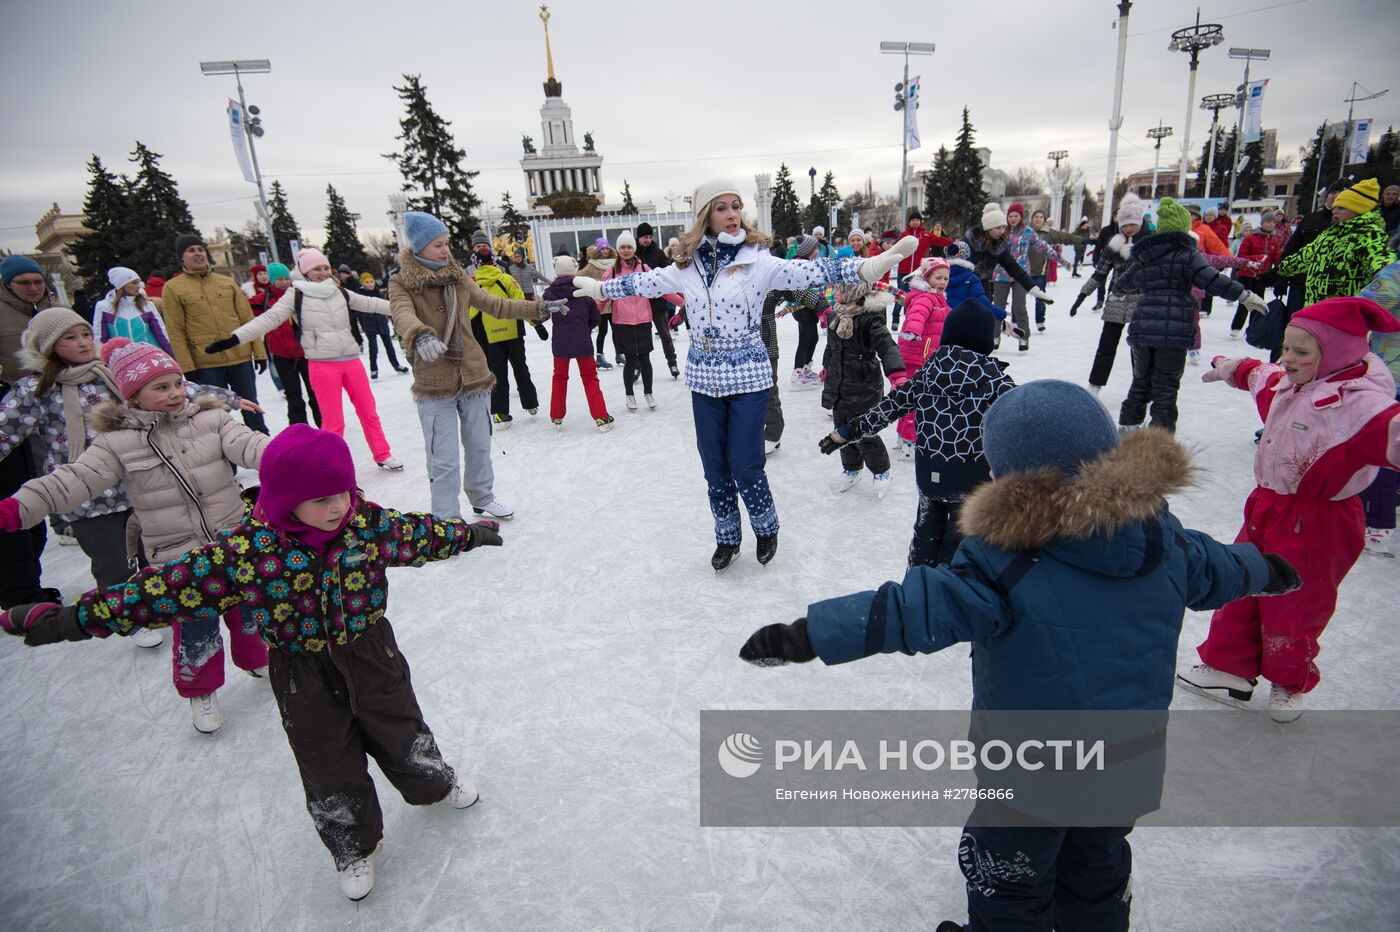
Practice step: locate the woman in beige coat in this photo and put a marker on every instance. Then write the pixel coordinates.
(171, 456)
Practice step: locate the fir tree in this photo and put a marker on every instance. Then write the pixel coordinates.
(935, 189)
(431, 164)
(284, 225)
(1329, 161)
(1381, 160)
(106, 215)
(1220, 171)
(342, 241)
(627, 206)
(513, 222)
(787, 219)
(156, 213)
(1249, 184)
(815, 214)
(964, 193)
(829, 195)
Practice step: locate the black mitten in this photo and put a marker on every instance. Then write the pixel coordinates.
(835, 440)
(43, 623)
(1074, 308)
(219, 346)
(1283, 577)
(484, 534)
(775, 645)
(543, 333)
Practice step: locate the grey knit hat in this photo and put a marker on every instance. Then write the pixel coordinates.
(806, 248)
(479, 238)
(1047, 422)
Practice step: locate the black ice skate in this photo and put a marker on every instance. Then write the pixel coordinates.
(767, 548)
(724, 555)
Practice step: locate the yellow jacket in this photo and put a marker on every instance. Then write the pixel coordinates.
(199, 308)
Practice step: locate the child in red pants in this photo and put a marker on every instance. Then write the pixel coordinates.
(571, 329)
(1330, 419)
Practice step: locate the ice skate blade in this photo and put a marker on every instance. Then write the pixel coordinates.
(1231, 700)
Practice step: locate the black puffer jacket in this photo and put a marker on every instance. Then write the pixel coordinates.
(986, 254)
(1161, 272)
(853, 363)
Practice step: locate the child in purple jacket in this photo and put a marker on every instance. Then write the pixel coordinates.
(572, 328)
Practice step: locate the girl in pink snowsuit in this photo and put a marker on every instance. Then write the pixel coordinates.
(925, 309)
(1330, 419)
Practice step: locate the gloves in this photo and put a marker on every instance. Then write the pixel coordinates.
(556, 306)
(484, 534)
(585, 287)
(1090, 286)
(775, 645)
(9, 516)
(259, 366)
(1256, 304)
(874, 269)
(1074, 308)
(219, 346)
(897, 379)
(1221, 370)
(428, 347)
(836, 439)
(543, 333)
(1009, 328)
(42, 623)
(675, 321)
(1282, 576)
(908, 335)
(1039, 294)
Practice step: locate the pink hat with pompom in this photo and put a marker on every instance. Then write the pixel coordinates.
(136, 365)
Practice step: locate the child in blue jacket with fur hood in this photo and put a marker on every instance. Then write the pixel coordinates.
(1074, 524)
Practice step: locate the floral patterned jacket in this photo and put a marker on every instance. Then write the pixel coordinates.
(301, 600)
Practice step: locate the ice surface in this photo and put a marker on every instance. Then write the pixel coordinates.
(564, 674)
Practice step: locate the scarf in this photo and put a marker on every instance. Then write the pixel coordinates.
(452, 334)
(68, 379)
(433, 264)
(845, 314)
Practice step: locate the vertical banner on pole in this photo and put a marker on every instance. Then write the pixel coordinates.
(1360, 141)
(295, 246)
(240, 140)
(911, 115)
(831, 224)
(1253, 115)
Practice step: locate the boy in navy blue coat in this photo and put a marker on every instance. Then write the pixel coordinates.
(1074, 526)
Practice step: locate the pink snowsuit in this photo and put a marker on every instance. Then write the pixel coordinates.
(924, 313)
(1322, 444)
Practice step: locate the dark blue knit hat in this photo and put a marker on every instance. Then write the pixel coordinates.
(1046, 423)
(972, 326)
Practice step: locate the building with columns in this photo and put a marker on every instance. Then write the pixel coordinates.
(556, 163)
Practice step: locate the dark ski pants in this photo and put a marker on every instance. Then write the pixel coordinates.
(1043, 879)
(729, 435)
(103, 539)
(1157, 375)
(1106, 353)
(20, 551)
(661, 317)
(499, 356)
(806, 337)
(1041, 281)
(341, 706)
(773, 418)
(376, 327)
(936, 534)
(868, 451)
(240, 379)
(633, 365)
(296, 375)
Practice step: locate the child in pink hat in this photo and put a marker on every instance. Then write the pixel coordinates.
(924, 312)
(1330, 420)
(170, 454)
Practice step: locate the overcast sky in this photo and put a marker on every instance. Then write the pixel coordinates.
(673, 92)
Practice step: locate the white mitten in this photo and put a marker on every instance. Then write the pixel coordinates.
(428, 347)
(872, 270)
(1256, 304)
(1040, 295)
(585, 287)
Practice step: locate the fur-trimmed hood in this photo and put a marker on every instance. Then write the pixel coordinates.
(1126, 486)
(415, 276)
(113, 415)
(1120, 244)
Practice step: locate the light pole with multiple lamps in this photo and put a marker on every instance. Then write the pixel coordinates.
(1158, 133)
(1214, 103)
(1242, 99)
(900, 99)
(1192, 40)
(1115, 122)
(252, 128)
(1351, 105)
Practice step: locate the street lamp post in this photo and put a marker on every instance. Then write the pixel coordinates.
(1192, 40)
(900, 100)
(1214, 103)
(1158, 133)
(1115, 122)
(238, 69)
(1057, 187)
(1249, 56)
(1351, 105)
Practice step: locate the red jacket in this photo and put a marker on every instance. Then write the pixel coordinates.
(282, 341)
(927, 241)
(1223, 227)
(1260, 247)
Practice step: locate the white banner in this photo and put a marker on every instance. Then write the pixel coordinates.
(240, 140)
(1360, 141)
(295, 246)
(911, 114)
(1253, 107)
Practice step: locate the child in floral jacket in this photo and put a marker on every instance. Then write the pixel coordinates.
(307, 564)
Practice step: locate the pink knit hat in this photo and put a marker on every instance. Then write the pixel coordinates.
(931, 265)
(1340, 326)
(309, 258)
(136, 365)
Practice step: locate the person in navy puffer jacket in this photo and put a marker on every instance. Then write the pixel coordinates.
(1071, 587)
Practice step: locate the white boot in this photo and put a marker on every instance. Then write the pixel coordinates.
(149, 637)
(389, 463)
(1378, 541)
(258, 673)
(631, 402)
(849, 478)
(207, 717)
(357, 878)
(1094, 389)
(1284, 706)
(881, 482)
(1210, 680)
(650, 400)
(463, 795)
(495, 508)
(771, 446)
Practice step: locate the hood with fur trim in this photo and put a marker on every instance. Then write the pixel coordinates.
(1125, 486)
(114, 414)
(415, 276)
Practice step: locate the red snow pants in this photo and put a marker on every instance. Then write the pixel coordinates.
(1276, 636)
(588, 371)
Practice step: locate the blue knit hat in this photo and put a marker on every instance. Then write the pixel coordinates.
(972, 326)
(13, 266)
(1046, 423)
(421, 229)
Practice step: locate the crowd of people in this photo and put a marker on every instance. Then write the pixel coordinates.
(118, 422)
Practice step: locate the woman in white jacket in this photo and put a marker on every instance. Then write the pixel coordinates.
(320, 311)
(724, 270)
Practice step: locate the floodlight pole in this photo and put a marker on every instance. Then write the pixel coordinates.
(259, 67)
(901, 105)
(1115, 122)
(1250, 56)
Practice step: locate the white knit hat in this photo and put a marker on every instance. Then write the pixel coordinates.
(625, 238)
(565, 265)
(993, 216)
(819, 231)
(707, 191)
(1130, 210)
(121, 276)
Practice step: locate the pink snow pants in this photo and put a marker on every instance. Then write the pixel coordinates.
(1276, 636)
(328, 378)
(197, 653)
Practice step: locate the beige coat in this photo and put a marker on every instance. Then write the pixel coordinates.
(417, 304)
(14, 318)
(199, 442)
(199, 308)
(325, 318)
